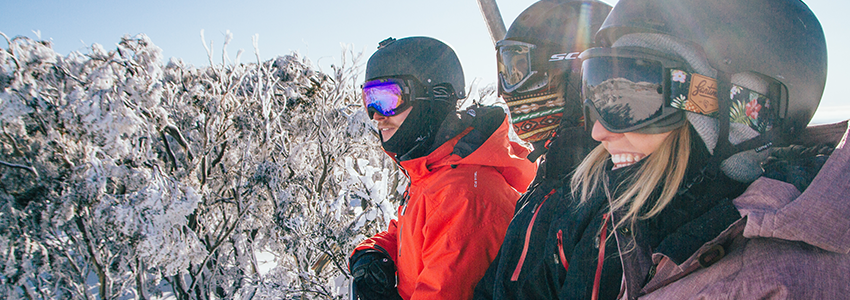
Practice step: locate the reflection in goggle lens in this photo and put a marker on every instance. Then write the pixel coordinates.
(383, 96)
(514, 60)
(625, 92)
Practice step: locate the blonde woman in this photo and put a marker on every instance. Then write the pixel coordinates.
(689, 195)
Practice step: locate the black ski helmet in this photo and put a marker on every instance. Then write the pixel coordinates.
(779, 39)
(538, 73)
(436, 75)
(428, 60)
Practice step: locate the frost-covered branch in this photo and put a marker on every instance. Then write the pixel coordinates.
(28, 168)
(152, 174)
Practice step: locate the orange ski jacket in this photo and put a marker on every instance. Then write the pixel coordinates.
(453, 223)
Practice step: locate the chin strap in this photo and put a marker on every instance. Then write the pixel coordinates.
(723, 149)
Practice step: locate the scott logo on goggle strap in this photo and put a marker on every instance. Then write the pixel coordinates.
(564, 56)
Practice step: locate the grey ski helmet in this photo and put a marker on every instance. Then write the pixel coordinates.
(779, 39)
(538, 69)
(428, 60)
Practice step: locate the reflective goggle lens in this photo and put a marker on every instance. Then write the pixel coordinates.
(514, 59)
(384, 96)
(636, 89)
(625, 93)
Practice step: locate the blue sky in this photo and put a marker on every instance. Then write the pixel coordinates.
(318, 28)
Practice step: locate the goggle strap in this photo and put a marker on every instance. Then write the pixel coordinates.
(687, 106)
(695, 101)
(725, 149)
(760, 143)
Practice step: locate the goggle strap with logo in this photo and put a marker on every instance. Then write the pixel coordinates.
(698, 94)
(724, 148)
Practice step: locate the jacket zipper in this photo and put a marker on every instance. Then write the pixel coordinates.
(515, 275)
(602, 238)
(405, 197)
(561, 251)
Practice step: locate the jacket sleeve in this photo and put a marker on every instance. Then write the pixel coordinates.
(484, 287)
(462, 235)
(385, 241)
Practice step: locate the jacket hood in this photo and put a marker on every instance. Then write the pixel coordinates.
(477, 136)
(819, 215)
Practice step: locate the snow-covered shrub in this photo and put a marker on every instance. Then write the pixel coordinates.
(122, 177)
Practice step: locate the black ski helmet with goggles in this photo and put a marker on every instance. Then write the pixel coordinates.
(780, 40)
(538, 68)
(410, 69)
(545, 39)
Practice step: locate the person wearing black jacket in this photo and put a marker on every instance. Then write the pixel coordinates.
(550, 35)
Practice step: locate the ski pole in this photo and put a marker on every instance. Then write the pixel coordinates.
(493, 19)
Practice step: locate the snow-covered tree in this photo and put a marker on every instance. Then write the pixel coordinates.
(125, 178)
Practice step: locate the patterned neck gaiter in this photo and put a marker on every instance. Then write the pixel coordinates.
(535, 116)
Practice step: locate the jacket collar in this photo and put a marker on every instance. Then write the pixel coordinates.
(478, 136)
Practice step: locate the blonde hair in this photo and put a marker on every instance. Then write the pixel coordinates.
(665, 167)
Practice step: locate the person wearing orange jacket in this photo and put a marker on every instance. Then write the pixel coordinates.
(465, 176)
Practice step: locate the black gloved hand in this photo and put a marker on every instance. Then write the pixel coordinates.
(796, 165)
(374, 275)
